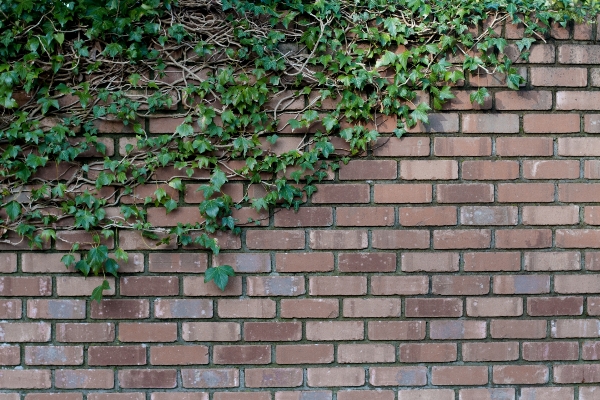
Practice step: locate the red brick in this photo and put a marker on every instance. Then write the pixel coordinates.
(427, 216)
(366, 353)
(590, 351)
(300, 395)
(334, 330)
(304, 262)
(551, 123)
(552, 261)
(591, 122)
(492, 261)
(457, 329)
(359, 170)
(592, 215)
(435, 308)
(550, 351)
(588, 392)
(120, 309)
(133, 240)
(577, 238)
(578, 192)
(338, 376)
(427, 352)
(488, 215)
(276, 240)
(149, 286)
(547, 393)
(244, 262)
(577, 284)
(401, 147)
(487, 394)
(10, 355)
(396, 330)
(402, 193)
(524, 146)
(400, 239)
(247, 354)
(148, 378)
(364, 216)
(575, 328)
(116, 355)
(309, 308)
(450, 285)
(25, 379)
(438, 123)
(520, 374)
(85, 333)
(581, 373)
(24, 332)
(523, 238)
(367, 262)
(272, 331)
(25, 286)
(552, 215)
(147, 332)
(183, 308)
(491, 351)
(178, 355)
(518, 329)
(337, 285)
(275, 286)
(116, 396)
(494, 307)
(43, 263)
(56, 309)
(211, 331)
(82, 286)
(430, 262)
(462, 101)
(490, 123)
(462, 146)
(490, 170)
(462, 239)
(54, 355)
(550, 306)
(550, 169)
(195, 286)
(66, 239)
(342, 193)
(525, 192)
(304, 354)
(338, 239)
(210, 378)
(578, 147)
(465, 193)
(592, 260)
(179, 396)
(455, 375)
(177, 262)
(84, 379)
(577, 100)
(304, 216)
(246, 308)
(395, 376)
(521, 284)
(557, 76)
(429, 170)
(399, 285)
(372, 308)
(10, 309)
(273, 377)
(523, 100)
(426, 394)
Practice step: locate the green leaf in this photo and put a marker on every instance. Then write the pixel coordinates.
(13, 210)
(513, 81)
(420, 113)
(176, 184)
(111, 267)
(68, 260)
(170, 205)
(97, 292)
(388, 58)
(479, 96)
(220, 275)
(218, 178)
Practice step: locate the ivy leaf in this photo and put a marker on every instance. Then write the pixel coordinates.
(420, 113)
(514, 80)
(218, 178)
(111, 267)
(13, 210)
(68, 260)
(220, 275)
(479, 96)
(525, 43)
(83, 267)
(388, 58)
(97, 292)
(176, 184)
(170, 205)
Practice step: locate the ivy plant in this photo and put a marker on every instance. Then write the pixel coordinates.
(237, 75)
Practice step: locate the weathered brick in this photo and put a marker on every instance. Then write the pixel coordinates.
(400, 239)
(304, 216)
(366, 353)
(272, 331)
(523, 100)
(490, 123)
(520, 374)
(457, 329)
(426, 394)
(465, 193)
(558, 76)
(577, 238)
(147, 378)
(195, 286)
(525, 192)
(462, 146)
(567, 284)
(578, 147)
(309, 308)
(521, 284)
(550, 169)
(578, 54)
(448, 285)
(243, 354)
(401, 147)
(372, 308)
(334, 330)
(572, 100)
(120, 309)
(337, 285)
(552, 261)
(492, 261)
(302, 395)
(427, 216)
(575, 328)
(364, 216)
(275, 286)
(211, 331)
(459, 375)
(10, 309)
(304, 262)
(550, 351)
(84, 379)
(428, 170)
(177, 262)
(273, 377)
(523, 238)
(367, 262)
(430, 262)
(10, 355)
(147, 332)
(341, 193)
(591, 122)
(494, 307)
(396, 330)
(435, 308)
(210, 378)
(462, 239)
(491, 351)
(340, 376)
(56, 309)
(246, 308)
(580, 373)
(244, 262)
(25, 379)
(399, 285)
(24, 332)
(54, 355)
(396, 376)
(279, 240)
(578, 192)
(518, 329)
(11, 286)
(338, 239)
(547, 393)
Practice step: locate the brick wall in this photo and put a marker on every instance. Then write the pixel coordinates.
(459, 262)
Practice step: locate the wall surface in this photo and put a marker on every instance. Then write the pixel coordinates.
(459, 262)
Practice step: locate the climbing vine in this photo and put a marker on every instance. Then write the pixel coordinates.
(237, 76)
